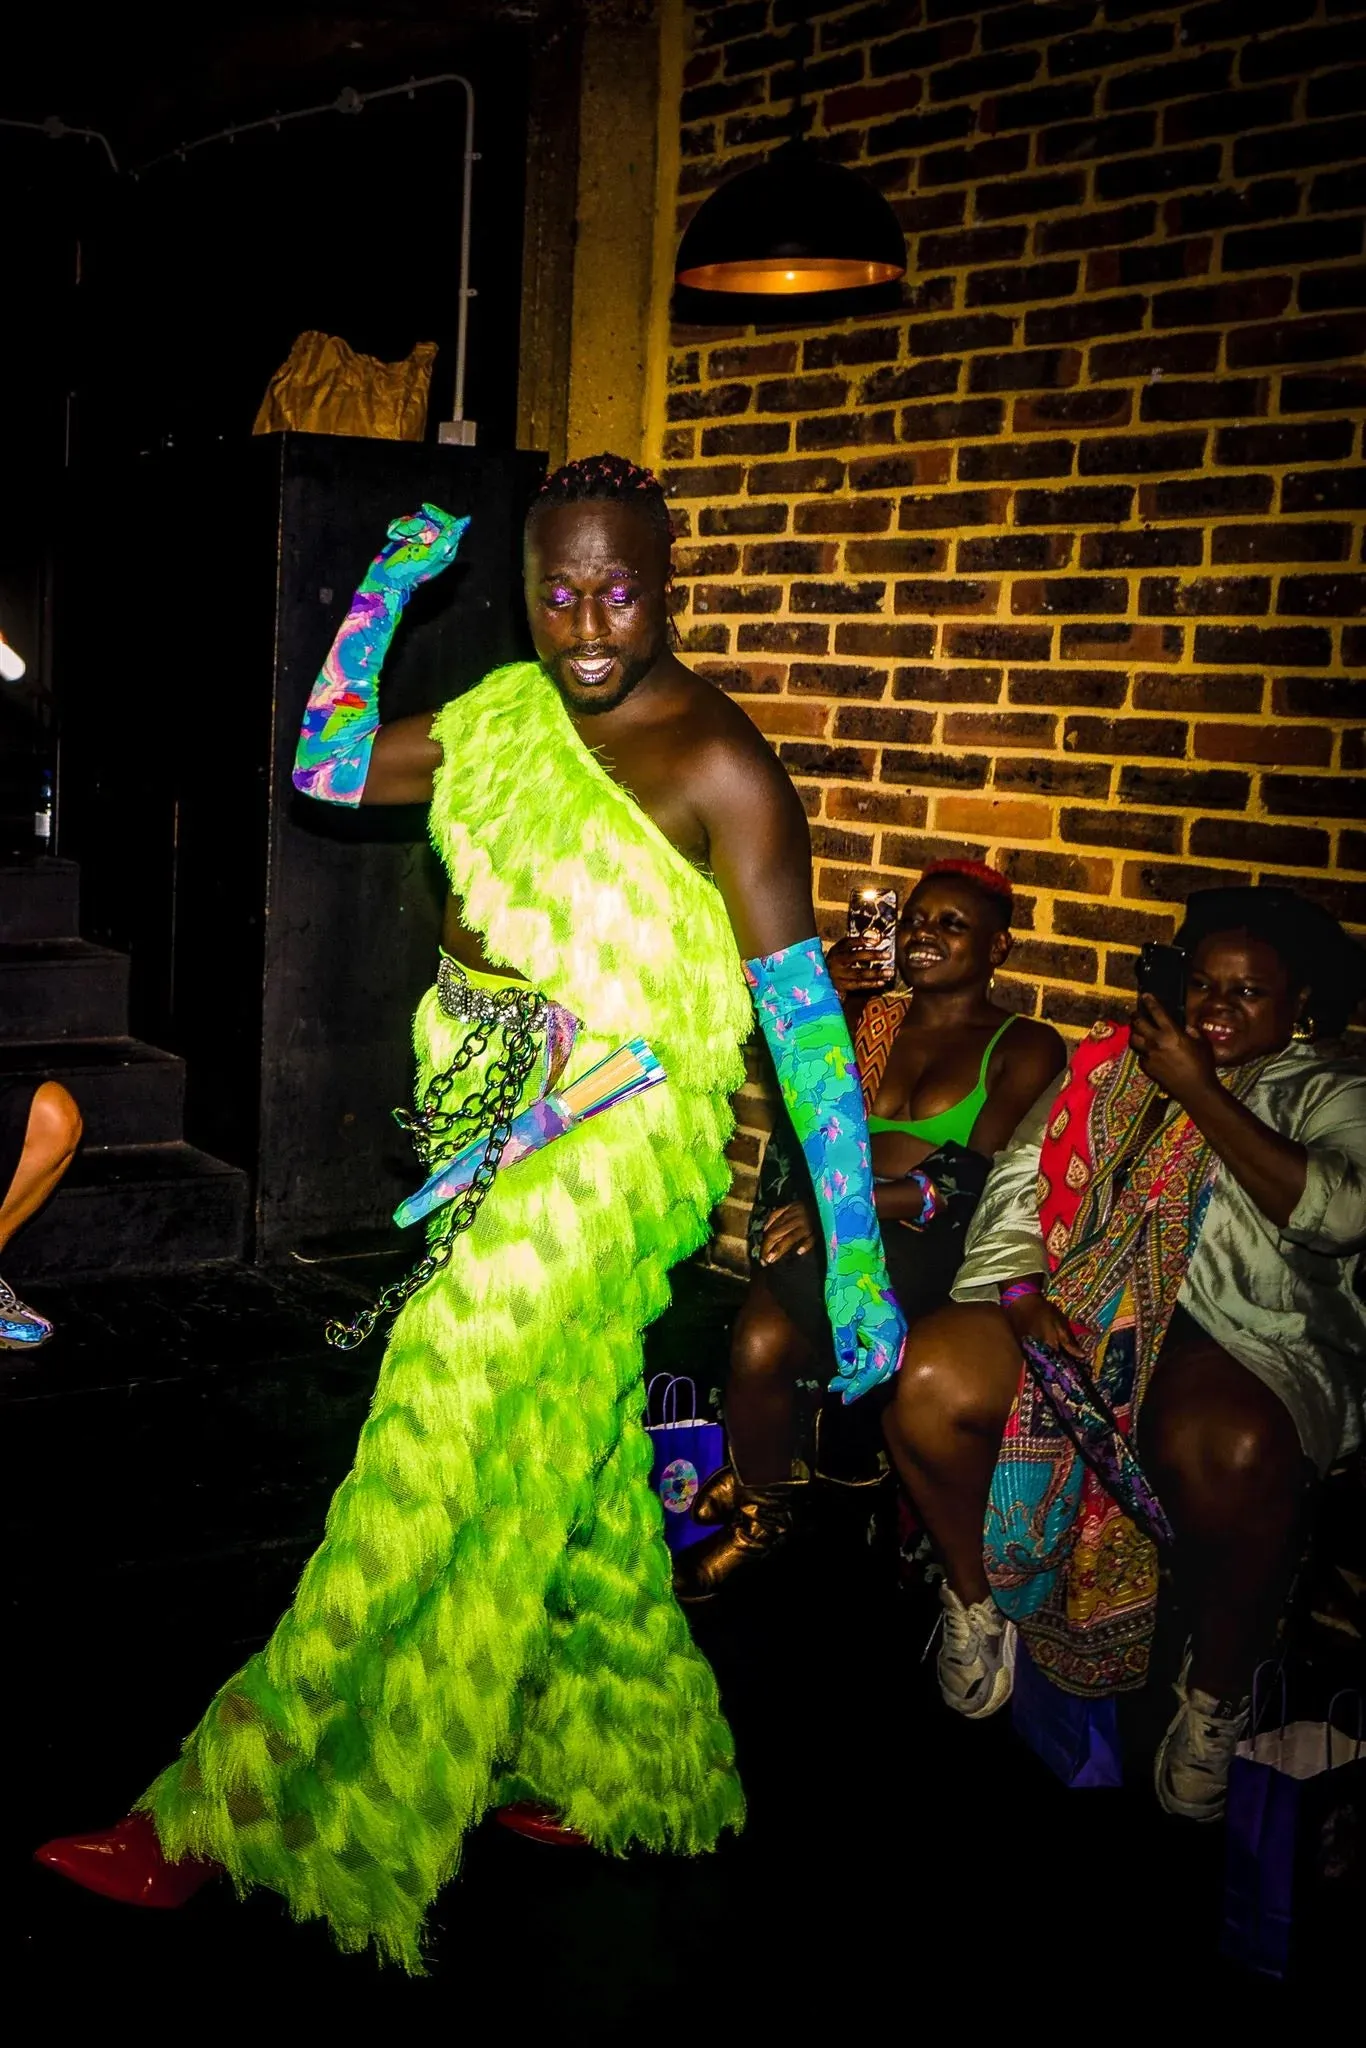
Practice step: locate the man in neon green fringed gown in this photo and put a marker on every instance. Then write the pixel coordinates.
(489, 1619)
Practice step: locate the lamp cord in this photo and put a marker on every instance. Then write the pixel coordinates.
(801, 31)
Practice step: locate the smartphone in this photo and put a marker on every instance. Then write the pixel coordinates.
(1162, 973)
(872, 917)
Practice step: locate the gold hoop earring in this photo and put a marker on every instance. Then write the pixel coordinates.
(1304, 1030)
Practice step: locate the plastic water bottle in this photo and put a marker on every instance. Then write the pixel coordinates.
(42, 816)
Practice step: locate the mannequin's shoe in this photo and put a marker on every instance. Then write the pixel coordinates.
(759, 1526)
(125, 1863)
(539, 1824)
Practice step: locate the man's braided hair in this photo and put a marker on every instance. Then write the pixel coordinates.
(610, 478)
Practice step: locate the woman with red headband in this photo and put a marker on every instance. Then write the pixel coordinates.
(947, 1075)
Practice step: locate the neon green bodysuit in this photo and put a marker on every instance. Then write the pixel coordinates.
(489, 1616)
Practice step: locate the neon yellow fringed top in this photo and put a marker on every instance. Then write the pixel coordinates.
(574, 886)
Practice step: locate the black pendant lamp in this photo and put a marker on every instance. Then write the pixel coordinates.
(794, 226)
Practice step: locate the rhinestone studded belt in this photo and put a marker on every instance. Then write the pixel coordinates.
(460, 999)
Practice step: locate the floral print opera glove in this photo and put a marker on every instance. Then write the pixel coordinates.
(342, 715)
(802, 1020)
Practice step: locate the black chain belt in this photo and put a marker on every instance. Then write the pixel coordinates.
(520, 1015)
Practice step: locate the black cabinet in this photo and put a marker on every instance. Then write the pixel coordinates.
(280, 945)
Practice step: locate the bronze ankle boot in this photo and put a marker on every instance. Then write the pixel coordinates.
(718, 1497)
(759, 1525)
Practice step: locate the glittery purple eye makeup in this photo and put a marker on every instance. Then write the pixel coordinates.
(619, 595)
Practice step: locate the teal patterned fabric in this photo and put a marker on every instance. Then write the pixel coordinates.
(804, 1025)
(342, 714)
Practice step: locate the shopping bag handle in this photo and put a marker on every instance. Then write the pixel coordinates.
(1346, 1693)
(668, 1407)
(1277, 1666)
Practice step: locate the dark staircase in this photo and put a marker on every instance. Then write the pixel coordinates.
(138, 1199)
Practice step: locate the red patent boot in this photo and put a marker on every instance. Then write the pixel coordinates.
(125, 1863)
(539, 1824)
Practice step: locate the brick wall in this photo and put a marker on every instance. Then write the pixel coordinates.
(1061, 564)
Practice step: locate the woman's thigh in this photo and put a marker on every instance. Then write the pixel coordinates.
(1214, 1430)
(767, 1338)
(961, 1371)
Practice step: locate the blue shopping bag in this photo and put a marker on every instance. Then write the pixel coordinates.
(1078, 1739)
(1295, 1843)
(688, 1449)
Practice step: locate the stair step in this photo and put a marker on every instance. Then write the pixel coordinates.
(39, 899)
(62, 988)
(134, 1209)
(129, 1093)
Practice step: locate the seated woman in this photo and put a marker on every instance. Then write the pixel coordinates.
(40, 1128)
(947, 1075)
(1185, 1221)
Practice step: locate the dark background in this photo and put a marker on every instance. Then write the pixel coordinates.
(280, 945)
(174, 582)
(145, 309)
(164, 295)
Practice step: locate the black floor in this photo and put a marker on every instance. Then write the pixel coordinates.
(163, 1477)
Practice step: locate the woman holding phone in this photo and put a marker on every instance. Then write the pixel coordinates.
(1174, 1242)
(947, 1074)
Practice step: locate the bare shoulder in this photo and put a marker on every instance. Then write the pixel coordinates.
(717, 718)
(758, 843)
(1028, 1044)
(1024, 1066)
(727, 752)
(1028, 1034)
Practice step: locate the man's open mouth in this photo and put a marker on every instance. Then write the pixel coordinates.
(591, 669)
(923, 956)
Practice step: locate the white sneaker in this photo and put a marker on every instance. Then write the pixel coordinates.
(1193, 1758)
(976, 1657)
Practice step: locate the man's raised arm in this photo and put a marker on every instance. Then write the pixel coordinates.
(760, 847)
(343, 757)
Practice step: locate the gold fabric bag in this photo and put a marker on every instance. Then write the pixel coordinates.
(325, 387)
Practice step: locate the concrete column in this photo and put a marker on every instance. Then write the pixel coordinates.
(599, 234)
